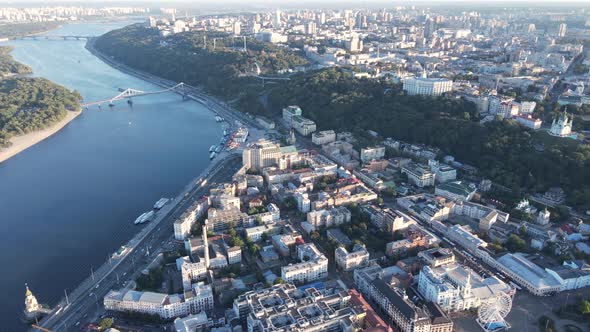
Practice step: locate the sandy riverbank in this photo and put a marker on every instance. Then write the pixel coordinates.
(21, 143)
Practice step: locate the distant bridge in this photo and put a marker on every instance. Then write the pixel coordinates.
(53, 37)
(180, 88)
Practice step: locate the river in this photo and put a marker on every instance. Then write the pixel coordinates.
(69, 201)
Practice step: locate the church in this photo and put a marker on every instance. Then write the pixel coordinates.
(562, 125)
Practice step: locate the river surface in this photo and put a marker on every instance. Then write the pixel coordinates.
(69, 201)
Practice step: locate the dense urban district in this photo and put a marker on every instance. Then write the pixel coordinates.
(402, 169)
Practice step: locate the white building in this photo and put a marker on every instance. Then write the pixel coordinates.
(455, 287)
(289, 112)
(323, 137)
(163, 305)
(419, 175)
(372, 153)
(333, 217)
(443, 172)
(348, 261)
(261, 154)
(184, 224)
(562, 125)
(465, 238)
(313, 266)
(303, 126)
(303, 202)
(427, 86)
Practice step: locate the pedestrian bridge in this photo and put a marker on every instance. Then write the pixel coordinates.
(53, 37)
(180, 88)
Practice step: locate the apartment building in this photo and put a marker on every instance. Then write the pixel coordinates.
(286, 308)
(323, 137)
(348, 261)
(199, 298)
(332, 217)
(419, 175)
(313, 265)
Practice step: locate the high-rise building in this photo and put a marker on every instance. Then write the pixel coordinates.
(261, 154)
(311, 28)
(562, 30)
(236, 28)
(277, 21)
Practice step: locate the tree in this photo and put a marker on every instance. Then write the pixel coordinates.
(584, 307)
(279, 280)
(515, 243)
(105, 323)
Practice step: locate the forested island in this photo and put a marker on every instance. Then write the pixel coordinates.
(30, 104)
(8, 66)
(503, 151)
(10, 31)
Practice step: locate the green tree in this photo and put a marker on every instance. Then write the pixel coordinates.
(105, 324)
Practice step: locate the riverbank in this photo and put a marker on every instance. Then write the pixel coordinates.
(23, 142)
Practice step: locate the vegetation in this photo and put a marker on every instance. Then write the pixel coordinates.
(152, 281)
(191, 57)
(502, 150)
(8, 66)
(25, 29)
(105, 324)
(30, 104)
(515, 243)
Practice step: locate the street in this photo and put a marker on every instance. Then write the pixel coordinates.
(87, 306)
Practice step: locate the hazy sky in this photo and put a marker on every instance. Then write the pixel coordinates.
(291, 2)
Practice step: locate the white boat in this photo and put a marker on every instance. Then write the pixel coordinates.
(144, 217)
(212, 148)
(160, 203)
(212, 155)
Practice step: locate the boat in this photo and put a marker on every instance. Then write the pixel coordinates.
(212, 148)
(218, 149)
(212, 155)
(146, 216)
(160, 203)
(225, 133)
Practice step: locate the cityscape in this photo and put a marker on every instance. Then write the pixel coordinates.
(261, 167)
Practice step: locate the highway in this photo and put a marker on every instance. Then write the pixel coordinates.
(84, 303)
(87, 305)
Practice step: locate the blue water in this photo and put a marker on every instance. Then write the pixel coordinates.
(69, 201)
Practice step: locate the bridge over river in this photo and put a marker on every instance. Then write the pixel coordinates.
(179, 88)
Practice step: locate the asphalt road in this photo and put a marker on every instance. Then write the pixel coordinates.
(88, 306)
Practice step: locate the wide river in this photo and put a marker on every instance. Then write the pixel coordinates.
(70, 201)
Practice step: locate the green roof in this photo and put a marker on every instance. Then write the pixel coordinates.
(288, 149)
(457, 188)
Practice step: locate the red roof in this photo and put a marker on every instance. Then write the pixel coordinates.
(373, 322)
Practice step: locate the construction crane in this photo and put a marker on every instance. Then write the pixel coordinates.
(40, 328)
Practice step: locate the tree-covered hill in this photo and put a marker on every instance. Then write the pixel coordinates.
(185, 57)
(502, 150)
